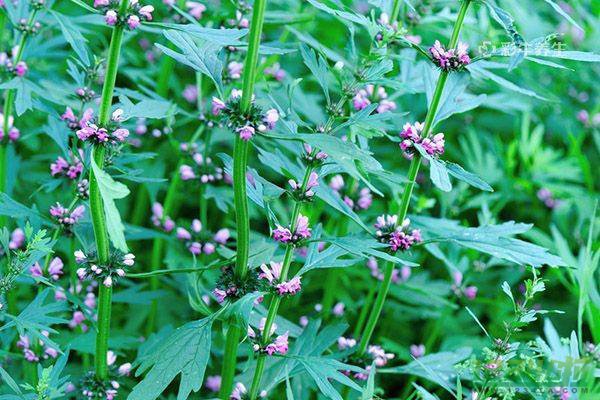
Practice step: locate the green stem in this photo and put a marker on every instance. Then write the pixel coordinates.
(240, 161)
(360, 323)
(8, 108)
(395, 11)
(275, 300)
(412, 176)
(96, 205)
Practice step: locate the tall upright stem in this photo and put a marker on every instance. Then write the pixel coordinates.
(275, 300)
(7, 110)
(412, 176)
(96, 205)
(242, 217)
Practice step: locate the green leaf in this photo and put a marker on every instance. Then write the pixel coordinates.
(369, 390)
(478, 70)
(325, 370)
(437, 367)
(23, 88)
(562, 12)
(490, 239)
(147, 108)
(185, 352)
(345, 15)
(111, 191)
(201, 55)
(317, 65)
(366, 247)
(72, 35)
(10, 381)
(37, 317)
(439, 171)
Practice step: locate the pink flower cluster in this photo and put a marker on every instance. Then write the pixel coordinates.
(470, 292)
(65, 216)
(203, 169)
(29, 352)
(272, 274)
(94, 133)
(398, 275)
(379, 355)
(194, 8)
(160, 220)
(364, 97)
(583, 116)
(8, 63)
(55, 269)
(195, 236)
(234, 70)
(360, 201)
(417, 350)
(276, 72)
(399, 237)
(546, 196)
(75, 123)
(412, 134)
(302, 231)
(17, 239)
(108, 274)
(13, 133)
(451, 59)
(70, 169)
(278, 346)
(306, 192)
(314, 157)
(245, 126)
(133, 17)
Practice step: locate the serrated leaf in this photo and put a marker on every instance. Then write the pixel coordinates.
(317, 65)
(110, 191)
(366, 247)
(72, 35)
(185, 352)
(490, 239)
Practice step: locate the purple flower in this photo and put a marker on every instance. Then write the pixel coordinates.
(282, 234)
(183, 234)
(302, 229)
(111, 17)
(21, 69)
(379, 355)
(55, 268)
(133, 21)
(239, 392)
(339, 309)
(246, 132)
(451, 59)
(272, 273)
(186, 172)
(271, 118)
(190, 93)
(279, 346)
(417, 350)
(217, 106)
(195, 248)
(222, 236)
(124, 369)
(146, 12)
(345, 343)
(470, 292)
(17, 239)
(213, 383)
(290, 287)
(36, 270)
(234, 69)
(195, 9)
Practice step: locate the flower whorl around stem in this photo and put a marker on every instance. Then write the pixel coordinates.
(399, 237)
(245, 124)
(301, 232)
(451, 59)
(90, 267)
(133, 16)
(411, 135)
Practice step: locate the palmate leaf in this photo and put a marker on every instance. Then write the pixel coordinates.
(305, 358)
(365, 247)
(72, 35)
(317, 65)
(439, 171)
(199, 54)
(38, 316)
(437, 367)
(110, 191)
(184, 352)
(495, 240)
